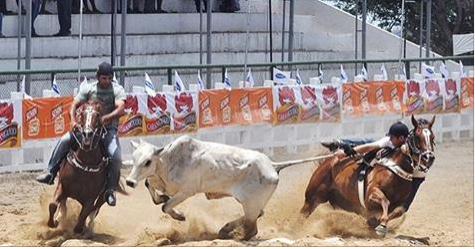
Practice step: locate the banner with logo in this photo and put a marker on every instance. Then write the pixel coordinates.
(210, 109)
(184, 111)
(286, 106)
(46, 117)
(132, 122)
(10, 124)
(386, 97)
(329, 99)
(451, 95)
(309, 107)
(466, 92)
(251, 105)
(355, 99)
(413, 99)
(433, 94)
(157, 111)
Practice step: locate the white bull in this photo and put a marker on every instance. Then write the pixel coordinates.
(187, 166)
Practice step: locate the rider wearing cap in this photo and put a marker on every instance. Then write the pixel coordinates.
(395, 138)
(112, 96)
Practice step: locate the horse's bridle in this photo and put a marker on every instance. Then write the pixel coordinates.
(423, 163)
(97, 133)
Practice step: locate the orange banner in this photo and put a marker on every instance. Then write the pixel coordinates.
(466, 93)
(46, 117)
(10, 124)
(251, 105)
(355, 99)
(210, 114)
(386, 97)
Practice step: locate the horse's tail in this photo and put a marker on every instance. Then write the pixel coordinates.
(282, 165)
(121, 188)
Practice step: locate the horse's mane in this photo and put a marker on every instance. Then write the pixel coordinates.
(96, 103)
(422, 121)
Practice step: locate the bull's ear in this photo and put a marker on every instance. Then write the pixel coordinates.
(142, 141)
(134, 144)
(414, 121)
(432, 120)
(157, 151)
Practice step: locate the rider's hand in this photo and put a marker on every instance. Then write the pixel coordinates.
(105, 119)
(340, 154)
(74, 124)
(349, 151)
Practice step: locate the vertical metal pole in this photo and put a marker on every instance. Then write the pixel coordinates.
(428, 27)
(81, 6)
(270, 30)
(28, 46)
(290, 54)
(363, 28)
(201, 35)
(19, 27)
(247, 39)
(420, 31)
(113, 19)
(356, 34)
(208, 43)
(401, 42)
(283, 31)
(123, 39)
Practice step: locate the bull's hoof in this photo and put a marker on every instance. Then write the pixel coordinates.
(224, 234)
(53, 224)
(78, 229)
(372, 222)
(381, 230)
(161, 199)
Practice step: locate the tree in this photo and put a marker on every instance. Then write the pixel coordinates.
(448, 17)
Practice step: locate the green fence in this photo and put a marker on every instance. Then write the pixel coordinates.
(38, 80)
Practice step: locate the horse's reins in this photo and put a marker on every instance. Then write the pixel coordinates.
(411, 142)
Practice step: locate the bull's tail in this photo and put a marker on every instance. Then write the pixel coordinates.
(282, 165)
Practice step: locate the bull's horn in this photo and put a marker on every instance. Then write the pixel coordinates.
(127, 163)
(134, 144)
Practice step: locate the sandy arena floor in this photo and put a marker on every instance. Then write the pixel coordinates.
(441, 215)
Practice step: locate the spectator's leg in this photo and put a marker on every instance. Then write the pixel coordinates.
(159, 7)
(94, 8)
(75, 6)
(1, 25)
(197, 4)
(3, 7)
(149, 6)
(35, 10)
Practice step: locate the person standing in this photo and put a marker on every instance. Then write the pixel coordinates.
(64, 17)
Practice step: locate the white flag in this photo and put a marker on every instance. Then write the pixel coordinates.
(201, 85)
(149, 87)
(179, 86)
(320, 72)
(403, 71)
(427, 71)
(281, 77)
(298, 78)
(343, 76)
(443, 71)
(227, 81)
(114, 79)
(462, 72)
(383, 72)
(83, 83)
(55, 87)
(249, 78)
(22, 89)
(364, 73)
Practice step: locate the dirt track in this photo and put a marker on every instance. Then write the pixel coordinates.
(441, 215)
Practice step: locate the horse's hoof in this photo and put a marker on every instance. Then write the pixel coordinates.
(372, 222)
(78, 230)
(381, 230)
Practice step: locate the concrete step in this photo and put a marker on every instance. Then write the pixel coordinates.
(100, 24)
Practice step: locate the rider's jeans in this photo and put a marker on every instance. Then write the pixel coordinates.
(357, 141)
(111, 143)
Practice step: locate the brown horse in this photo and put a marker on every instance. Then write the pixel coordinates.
(83, 175)
(387, 183)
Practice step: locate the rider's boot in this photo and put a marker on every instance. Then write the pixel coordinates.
(109, 196)
(334, 145)
(47, 178)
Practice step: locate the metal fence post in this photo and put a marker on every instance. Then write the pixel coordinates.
(169, 76)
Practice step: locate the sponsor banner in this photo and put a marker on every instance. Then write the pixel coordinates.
(132, 122)
(329, 99)
(451, 95)
(432, 93)
(46, 117)
(309, 107)
(184, 111)
(10, 124)
(157, 113)
(386, 97)
(355, 99)
(210, 111)
(286, 107)
(413, 97)
(466, 92)
(251, 105)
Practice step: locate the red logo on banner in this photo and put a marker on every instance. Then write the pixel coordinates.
(286, 95)
(8, 128)
(131, 105)
(183, 102)
(157, 104)
(413, 89)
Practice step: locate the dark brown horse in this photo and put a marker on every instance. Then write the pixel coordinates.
(387, 184)
(83, 175)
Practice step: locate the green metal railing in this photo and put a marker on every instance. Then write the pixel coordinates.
(37, 80)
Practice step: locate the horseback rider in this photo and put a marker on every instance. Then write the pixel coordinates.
(395, 138)
(112, 96)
